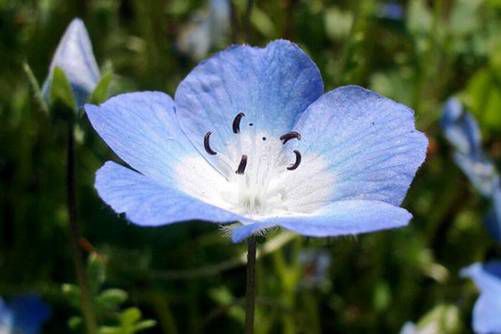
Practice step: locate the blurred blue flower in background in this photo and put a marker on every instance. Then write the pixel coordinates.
(487, 309)
(251, 137)
(207, 28)
(75, 57)
(463, 133)
(23, 315)
(409, 328)
(391, 10)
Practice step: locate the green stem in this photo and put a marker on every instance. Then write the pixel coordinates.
(85, 299)
(250, 295)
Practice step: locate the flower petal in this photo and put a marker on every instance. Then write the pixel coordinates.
(75, 57)
(272, 86)
(460, 128)
(486, 313)
(487, 277)
(370, 142)
(148, 203)
(141, 128)
(345, 218)
(480, 170)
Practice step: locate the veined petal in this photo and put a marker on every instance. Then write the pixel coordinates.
(272, 86)
(148, 203)
(345, 218)
(75, 57)
(141, 128)
(487, 276)
(371, 145)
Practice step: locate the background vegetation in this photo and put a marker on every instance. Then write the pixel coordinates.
(189, 278)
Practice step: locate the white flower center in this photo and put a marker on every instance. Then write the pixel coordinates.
(256, 175)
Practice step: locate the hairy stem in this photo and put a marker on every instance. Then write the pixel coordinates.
(85, 298)
(250, 294)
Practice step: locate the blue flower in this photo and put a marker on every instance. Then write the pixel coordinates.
(463, 133)
(487, 309)
(391, 11)
(251, 137)
(206, 29)
(409, 328)
(23, 315)
(75, 57)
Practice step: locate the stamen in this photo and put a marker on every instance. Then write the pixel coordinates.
(290, 135)
(242, 165)
(236, 122)
(297, 162)
(207, 145)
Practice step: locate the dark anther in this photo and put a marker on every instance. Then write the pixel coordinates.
(236, 122)
(298, 161)
(290, 135)
(207, 145)
(264, 138)
(242, 165)
(251, 124)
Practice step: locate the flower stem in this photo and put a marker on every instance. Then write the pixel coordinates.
(85, 299)
(250, 294)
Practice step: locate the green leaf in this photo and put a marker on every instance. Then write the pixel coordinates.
(37, 92)
(97, 273)
(483, 96)
(263, 23)
(60, 91)
(145, 324)
(72, 293)
(100, 93)
(111, 298)
(75, 323)
(130, 316)
(338, 23)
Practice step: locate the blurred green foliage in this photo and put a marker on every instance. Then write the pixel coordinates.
(189, 278)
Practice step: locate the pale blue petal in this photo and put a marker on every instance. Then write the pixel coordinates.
(148, 203)
(6, 317)
(141, 128)
(370, 143)
(220, 19)
(195, 37)
(487, 310)
(345, 218)
(409, 328)
(480, 171)
(486, 313)
(272, 86)
(75, 57)
(460, 128)
(487, 277)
